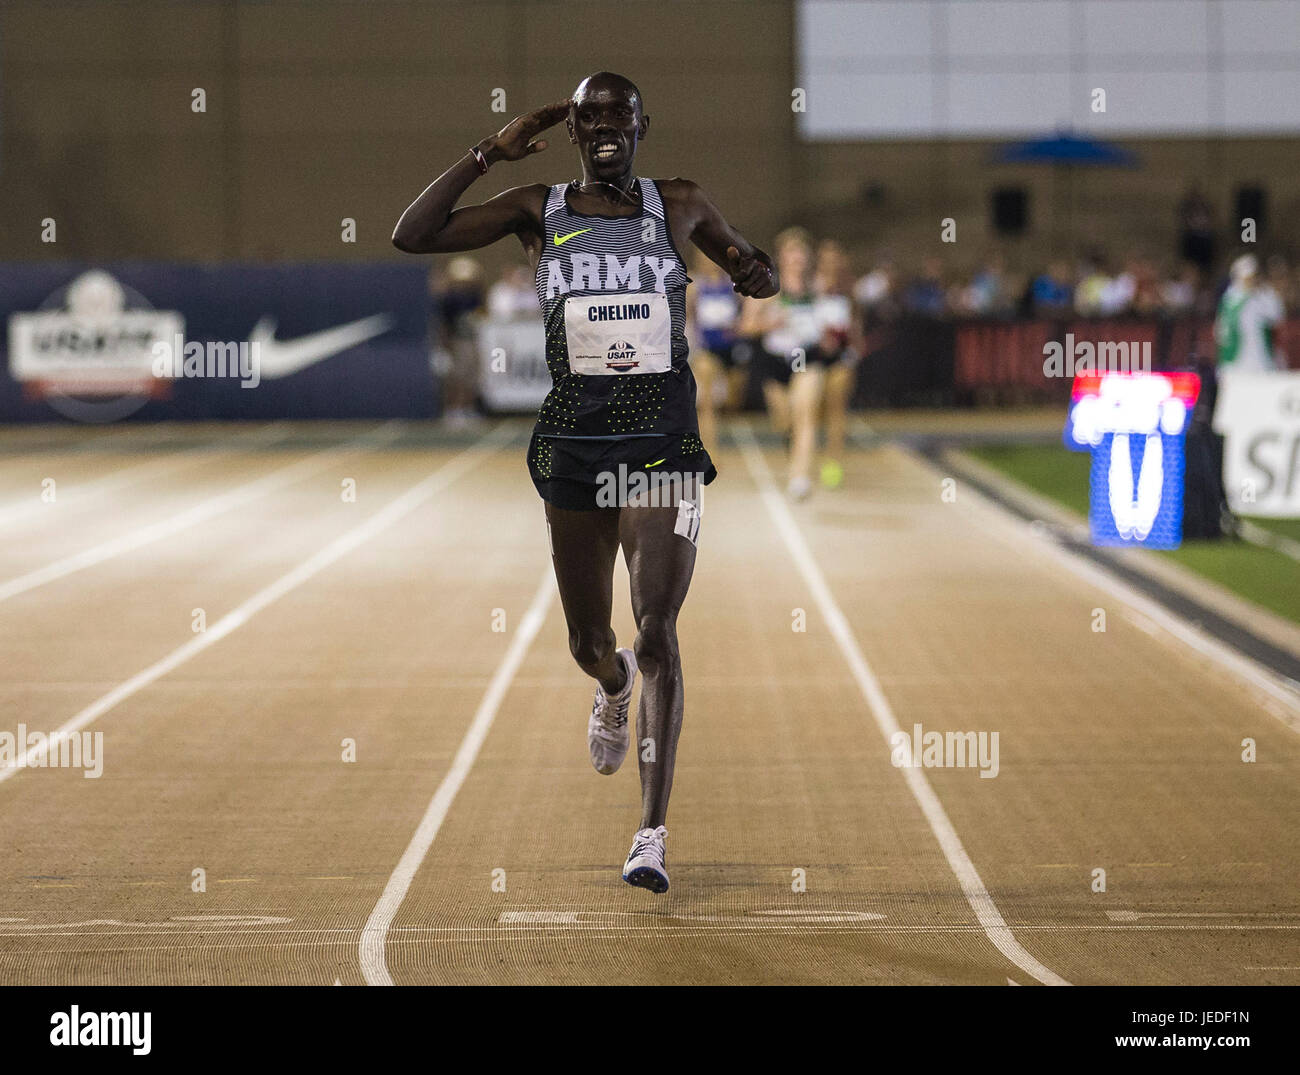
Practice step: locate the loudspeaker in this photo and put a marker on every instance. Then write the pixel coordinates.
(1010, 210)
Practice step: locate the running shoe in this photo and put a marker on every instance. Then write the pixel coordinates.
(645, 866)
(607, 732)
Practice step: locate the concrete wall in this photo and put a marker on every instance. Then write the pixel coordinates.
(331, 109)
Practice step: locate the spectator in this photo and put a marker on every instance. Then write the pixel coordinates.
(876, 293)
(1050, 293)
(1248, 314)
(1119, 295)
(1178, 294)
(1282, 282)
(1196, 229)
(1146, 290)
(1090, 293)
(925, 296)
(986, 294)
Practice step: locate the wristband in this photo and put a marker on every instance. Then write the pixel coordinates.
(479, 159)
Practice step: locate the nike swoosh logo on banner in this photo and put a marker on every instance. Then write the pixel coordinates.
(279, 358)
(560, 240)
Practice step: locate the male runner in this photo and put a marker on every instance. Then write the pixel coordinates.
(611, 281)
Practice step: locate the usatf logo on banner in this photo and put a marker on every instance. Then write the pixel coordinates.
(1135, 425)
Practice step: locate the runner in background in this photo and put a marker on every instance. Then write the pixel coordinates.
(712, 315)
(789, 333)
(512, 297)
(458, 298)
(841, 347)
(809, 358)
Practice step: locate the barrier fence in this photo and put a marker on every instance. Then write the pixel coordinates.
(84, 343)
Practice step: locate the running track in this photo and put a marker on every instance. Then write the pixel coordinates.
(372, 621)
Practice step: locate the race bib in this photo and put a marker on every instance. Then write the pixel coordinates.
(618, 334)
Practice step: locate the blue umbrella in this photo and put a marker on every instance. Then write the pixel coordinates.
(1065, 148)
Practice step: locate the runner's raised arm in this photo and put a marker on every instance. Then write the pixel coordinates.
(431, 224)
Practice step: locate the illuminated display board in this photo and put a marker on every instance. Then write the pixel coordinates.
(1135, 425)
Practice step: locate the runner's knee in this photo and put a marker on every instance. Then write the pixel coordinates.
(656, 642)
(590, 647)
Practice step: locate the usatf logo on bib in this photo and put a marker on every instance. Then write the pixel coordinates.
(621, 357)
(643, 343)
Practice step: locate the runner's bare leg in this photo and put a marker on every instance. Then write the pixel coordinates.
(584, 545)
(660, 563)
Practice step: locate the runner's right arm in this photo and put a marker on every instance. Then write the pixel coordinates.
(431, 224)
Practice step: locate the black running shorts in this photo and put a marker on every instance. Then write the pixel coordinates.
(583, 474)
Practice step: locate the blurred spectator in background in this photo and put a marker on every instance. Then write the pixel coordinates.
(1278, 275)
(925, 296)
(876, 294)
(987, 294)
(1178, 294)
(1139, 289)
(513, 298)
(458, 300)
(1118, 295)
(1146, 287)
(712, 317)
(1248, 314)
(1196, 229)
(1090, 292)
(1050, 293)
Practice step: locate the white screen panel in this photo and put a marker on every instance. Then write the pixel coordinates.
(1007, 68)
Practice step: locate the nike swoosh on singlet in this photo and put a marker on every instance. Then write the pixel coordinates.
(560, 240)
(656, 462)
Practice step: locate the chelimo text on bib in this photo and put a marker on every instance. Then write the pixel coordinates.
(616, 335)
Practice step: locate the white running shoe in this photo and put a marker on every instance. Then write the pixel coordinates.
(645, 866)
(607, 731)
(799, 488)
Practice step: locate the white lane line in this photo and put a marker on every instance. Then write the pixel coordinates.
(201, 512)
(77, 496)
(989, 917)
(1259, 535)
(374, 964)
(392, 512)
(1277, 694)
(778, 918)
(1133, 916)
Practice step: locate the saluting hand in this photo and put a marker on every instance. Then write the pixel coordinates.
(515, 140)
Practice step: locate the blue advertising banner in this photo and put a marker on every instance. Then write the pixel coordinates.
(99, 343)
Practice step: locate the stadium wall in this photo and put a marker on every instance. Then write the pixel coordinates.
(331, 110)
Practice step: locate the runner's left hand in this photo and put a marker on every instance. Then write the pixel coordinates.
(751, 277)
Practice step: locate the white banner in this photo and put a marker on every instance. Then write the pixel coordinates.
(1259, 416)
(512, 365)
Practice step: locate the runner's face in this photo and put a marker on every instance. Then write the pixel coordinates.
(607, 123)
